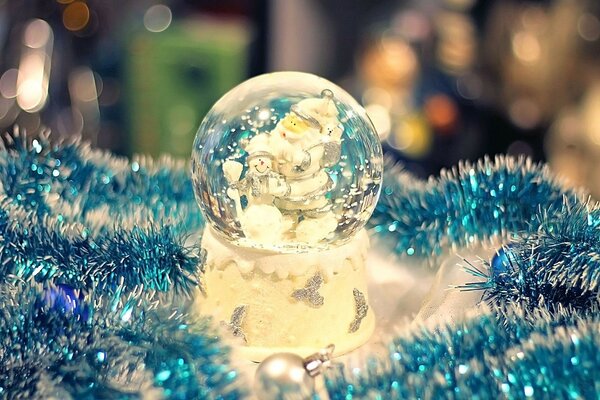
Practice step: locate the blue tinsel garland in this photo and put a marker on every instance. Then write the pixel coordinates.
(105, 237)
(536, 356)
(77, 216)
(556, 265)
(465, 205)
(127, 351)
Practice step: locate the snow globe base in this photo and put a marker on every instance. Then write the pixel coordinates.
(294, 302)
(343, 346)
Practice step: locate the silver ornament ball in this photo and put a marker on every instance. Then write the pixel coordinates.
(282, 376)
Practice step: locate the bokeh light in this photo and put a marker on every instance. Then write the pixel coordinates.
(76, 16)
(469, 86)
(375, 95)
(8, 111)
(591, 114)
(182, 120)
(456, 49)
(380, 116)
(588, 27)
(412, 136)
(34, 66)
(525, 113)
(469, 77)
(31, 95)
(441, 112)
(157, 18)
(390, 63)
(412, 25)
(37, 34)
(526, 47)
(31, 90)
(8, 83)
(83, 85)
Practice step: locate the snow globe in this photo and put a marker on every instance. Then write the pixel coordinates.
(287, 170)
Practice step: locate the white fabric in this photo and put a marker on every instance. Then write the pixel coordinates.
(445, 301)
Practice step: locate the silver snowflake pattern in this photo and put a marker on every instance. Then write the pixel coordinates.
(361, 307)
(310, 293)
(237, 319)
(201, 271)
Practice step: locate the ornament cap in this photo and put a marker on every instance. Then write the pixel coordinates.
(315, 363)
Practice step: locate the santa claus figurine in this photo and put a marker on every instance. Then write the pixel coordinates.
(305, 142)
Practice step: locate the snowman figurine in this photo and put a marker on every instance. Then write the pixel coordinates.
(305, 142)
(261, 221)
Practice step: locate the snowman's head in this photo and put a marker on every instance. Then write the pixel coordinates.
(260, 162)
(260, 155)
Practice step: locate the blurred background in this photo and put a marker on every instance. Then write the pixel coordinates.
(442, 80)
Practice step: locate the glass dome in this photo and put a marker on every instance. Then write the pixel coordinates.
(287, 161)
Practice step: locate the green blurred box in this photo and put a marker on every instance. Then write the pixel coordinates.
(175, 76)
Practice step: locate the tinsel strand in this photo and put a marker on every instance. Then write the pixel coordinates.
(119, 260)
(482, 358)
(55, 219)
(49, 349)
(557, 265)
(465, 205)
(78, 184)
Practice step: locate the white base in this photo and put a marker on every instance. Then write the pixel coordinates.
(264, 281)
(257, 354)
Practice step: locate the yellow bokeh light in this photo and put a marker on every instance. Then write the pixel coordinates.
(526, 47)
(76, 16)
(412, 136)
